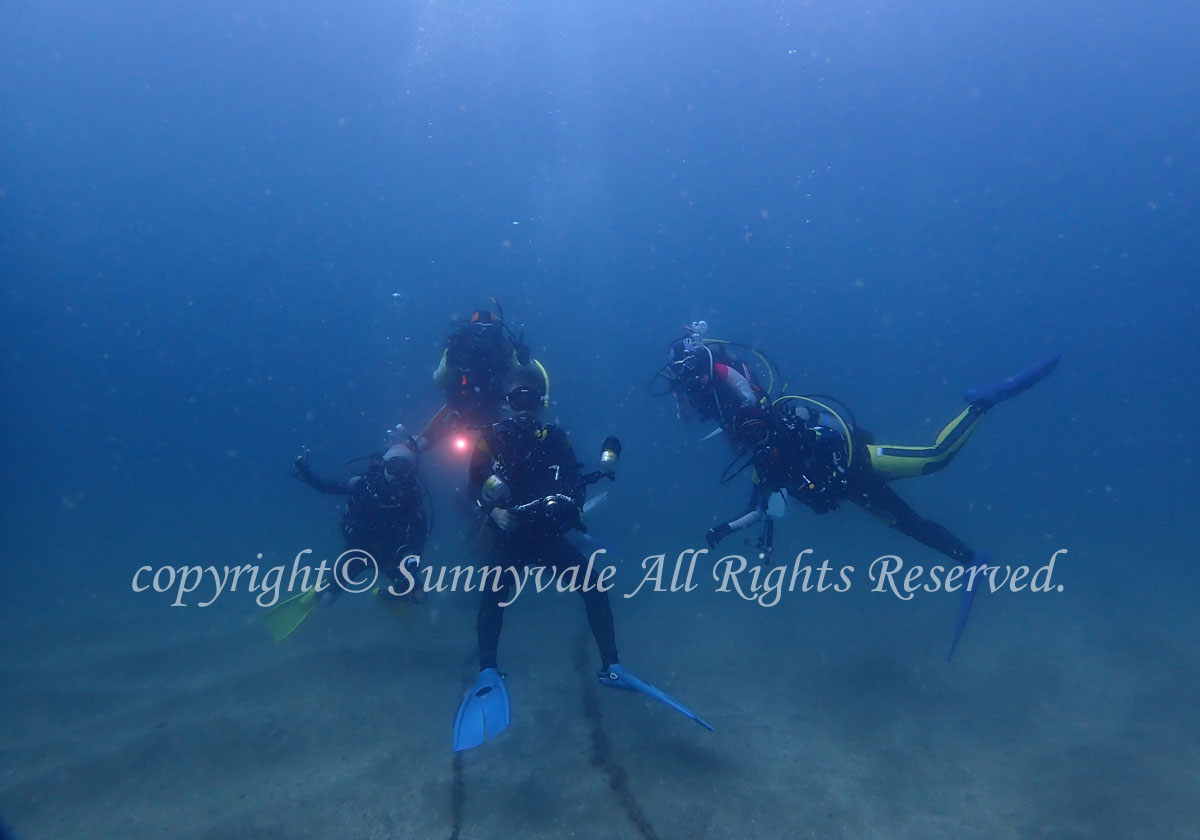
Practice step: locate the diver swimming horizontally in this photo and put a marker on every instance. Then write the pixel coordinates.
(810, 448)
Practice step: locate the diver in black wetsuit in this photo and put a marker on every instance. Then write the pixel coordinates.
(479, 356)
(385, 515)
(526, 476)
(519, 461)
(820, 460)
(813, 452)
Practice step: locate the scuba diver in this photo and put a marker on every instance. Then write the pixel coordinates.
(708, 380)
(525, 476)
(385, 517)
(479, 355)
(820, 457)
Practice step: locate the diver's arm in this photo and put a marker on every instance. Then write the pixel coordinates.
(325, 485)
(753, 514)
(481, 469)
(736, 382)
(746, 520)
(683, 407)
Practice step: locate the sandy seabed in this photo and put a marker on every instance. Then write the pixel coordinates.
(834, 718)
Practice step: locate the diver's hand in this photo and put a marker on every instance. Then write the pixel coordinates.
(715, 535)
(301, 464)
(505, 519)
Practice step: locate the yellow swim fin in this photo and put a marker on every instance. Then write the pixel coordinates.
(283, 619)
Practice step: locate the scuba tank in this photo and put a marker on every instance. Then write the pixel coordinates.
(820, 450)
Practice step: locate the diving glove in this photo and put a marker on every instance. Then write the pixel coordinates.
(715, 535)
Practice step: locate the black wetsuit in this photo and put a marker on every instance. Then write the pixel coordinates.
(477, 360)
(534, 461)
(385, 518)
(809, 463)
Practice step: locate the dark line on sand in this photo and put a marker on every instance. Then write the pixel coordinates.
(458, 796)
(458, 781)
(602, 757)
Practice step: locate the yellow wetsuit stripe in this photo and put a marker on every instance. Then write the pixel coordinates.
(909, 461)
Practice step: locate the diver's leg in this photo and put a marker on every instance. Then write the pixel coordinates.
(490, 621)
(564, 556)
(403, 559)
(354, 569)
(882, 501)
(600, 619)
(907, 461)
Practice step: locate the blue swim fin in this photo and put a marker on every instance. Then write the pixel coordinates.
(615, 676)
(484, 713)
(988, 395)
(981, 559)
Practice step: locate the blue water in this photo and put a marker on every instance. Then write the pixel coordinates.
(231, 230)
